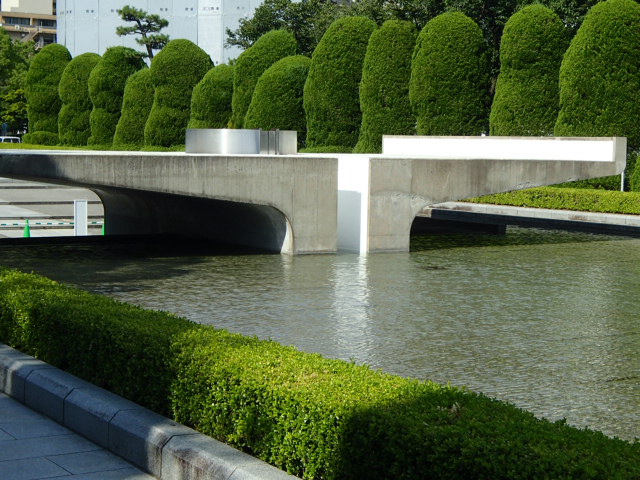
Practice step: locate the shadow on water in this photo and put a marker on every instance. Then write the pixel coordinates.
(514, 236)
(108, 265)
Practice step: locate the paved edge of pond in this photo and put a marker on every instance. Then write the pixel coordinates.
(608, 223)
(155, 444)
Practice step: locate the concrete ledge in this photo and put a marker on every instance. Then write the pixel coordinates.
(150, 441)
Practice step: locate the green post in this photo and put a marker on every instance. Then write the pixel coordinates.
(27, 230)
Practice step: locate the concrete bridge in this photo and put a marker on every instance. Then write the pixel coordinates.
(311, 203)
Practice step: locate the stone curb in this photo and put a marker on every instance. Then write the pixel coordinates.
(162, 447)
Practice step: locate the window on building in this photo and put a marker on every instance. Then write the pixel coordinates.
(16, 21)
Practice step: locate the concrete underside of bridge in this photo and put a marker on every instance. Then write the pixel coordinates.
(278, 203)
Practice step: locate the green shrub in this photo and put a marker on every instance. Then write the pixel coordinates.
(211, 99)
(106, 88)
(40, 138)
(41, 89)
(634, 181)
(277, 98)
(251, 64)
(331, 93)
(314, 417)
(576, 199)
(598, 76)
(175, 71)
(114, 345)
(73, 121)
(449, 88)
(136, 105)
(526, 98)
(384, 89)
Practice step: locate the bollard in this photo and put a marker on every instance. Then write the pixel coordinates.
(27, 230)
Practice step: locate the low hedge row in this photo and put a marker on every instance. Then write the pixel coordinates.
(579, 199)
(314, 417)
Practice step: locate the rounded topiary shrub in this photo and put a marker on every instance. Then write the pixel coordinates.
(211, 99)
(526, 98)
(277, 99)
(450, 81)
(252, 63)
(331, 93)
(136, 105)
(384, 89)
(106, 88)
(175, 71)
(41, 91)
(599, 81)
(73, 121)
(634, 181)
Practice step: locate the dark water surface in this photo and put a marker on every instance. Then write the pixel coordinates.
(548, 320)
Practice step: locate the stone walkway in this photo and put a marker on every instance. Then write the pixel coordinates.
(33, 446)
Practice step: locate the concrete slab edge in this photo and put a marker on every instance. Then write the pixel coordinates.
(156, 444)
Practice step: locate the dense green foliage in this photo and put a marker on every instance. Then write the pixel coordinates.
(384, 88)
(526, 98)
(577, 199)
(146, 25)
(251, 64)
(598, 76)
(175, 71)
(331, 93)
(315, 417)
(634, 181)
(117, 346)
(277, 99)
(136, 105)
(73, 121)
(211, 99)
(106, 88)
(449, 87)
(306, 20)
(41, 89)
(15, 58)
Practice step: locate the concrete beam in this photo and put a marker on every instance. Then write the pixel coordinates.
(380, 195)
(288, 200)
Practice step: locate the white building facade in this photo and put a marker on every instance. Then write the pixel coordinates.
(90, 25)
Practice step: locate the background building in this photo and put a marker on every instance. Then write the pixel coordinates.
(90, 25)
(29, 20)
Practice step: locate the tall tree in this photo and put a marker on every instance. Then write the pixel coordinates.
(15, 58)
(449, 87)
(526, 99)
(331, 93)
(147, 26)
(599, 81)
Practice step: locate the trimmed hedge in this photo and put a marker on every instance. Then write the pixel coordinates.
(384, 89)
(106, 88)
(277, 98)
(136, 105)
(579, 199)
(315, 417)
(331, 92)
(526, 100)
(251, 64)
(175, 71)
(598, 76)
(41, 91)
(450, 77)
(117, 346)
(73, 121)
(211, 99)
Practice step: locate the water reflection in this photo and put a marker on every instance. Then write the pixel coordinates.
(547, 320)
